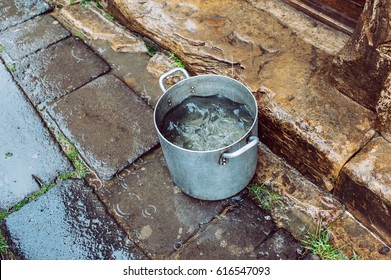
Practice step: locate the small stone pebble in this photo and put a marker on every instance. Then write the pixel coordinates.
(384, 250)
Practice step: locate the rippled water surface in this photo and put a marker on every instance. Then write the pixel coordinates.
(206, 123)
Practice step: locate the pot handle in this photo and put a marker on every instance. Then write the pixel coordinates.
(253, 141)
(172, 71)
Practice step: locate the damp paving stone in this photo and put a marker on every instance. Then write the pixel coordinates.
(109, 124)
(280, 246)
(31, 36)
(68, 223)
(13, 12)
(58, 70)
(152, 209)
(234, 235)
(26, 146)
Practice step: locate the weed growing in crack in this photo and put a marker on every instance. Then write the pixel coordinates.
(151, 50)
(177, 62)
(44, 188)
(319, 244)
(12, 67)
(3, 244)
(81, 170)
(264, 196)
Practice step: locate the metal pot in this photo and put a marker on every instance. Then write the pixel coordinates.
(214, 174)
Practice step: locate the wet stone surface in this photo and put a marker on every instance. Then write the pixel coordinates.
(352, 237)
(305, 205)
(108, 123)
(58, 70)
(234, 235)
(154, 211)
(116, 45)
(365, 186)
(68, 223)
(26, 146)
(32, 35)
(13, 12)
(280, 246)
(300, 120)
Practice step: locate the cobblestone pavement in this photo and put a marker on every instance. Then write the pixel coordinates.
(53, 84)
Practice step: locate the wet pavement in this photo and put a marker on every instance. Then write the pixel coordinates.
(26, 146)
(101, 97)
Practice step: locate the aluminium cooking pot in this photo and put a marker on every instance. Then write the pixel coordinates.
(212, 174)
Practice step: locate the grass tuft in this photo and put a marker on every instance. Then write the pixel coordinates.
(264, 196)
(319, 243)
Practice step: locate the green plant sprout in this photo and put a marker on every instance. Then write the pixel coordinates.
(318, 243)
(81, 170)
(177, 62)
(265, 197)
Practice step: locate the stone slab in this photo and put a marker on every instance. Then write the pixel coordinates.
(300, 119)
(305, 205)
(158, 216)
(110, 125)
(58, 70)
(68, 223)
(353, 238)
(364, 186)
(31, 36)
(281, 245)
(115, 44)
(234, 235)
(95, 25)
(13, 12)
(26, 146)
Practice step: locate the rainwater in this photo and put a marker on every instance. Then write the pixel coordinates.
(204, 123)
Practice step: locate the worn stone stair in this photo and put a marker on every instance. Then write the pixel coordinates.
(303, 118)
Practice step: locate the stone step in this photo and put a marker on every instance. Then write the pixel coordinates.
(364, 186)
(306, 207)
(305, 120)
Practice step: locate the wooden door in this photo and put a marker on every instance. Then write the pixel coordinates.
(340, 14)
